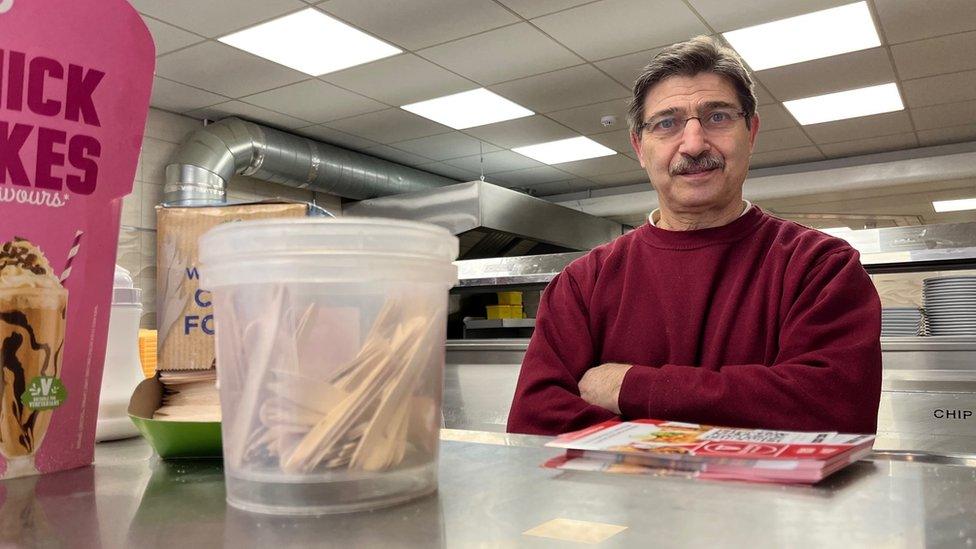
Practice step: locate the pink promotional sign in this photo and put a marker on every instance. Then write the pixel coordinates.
(75, 80)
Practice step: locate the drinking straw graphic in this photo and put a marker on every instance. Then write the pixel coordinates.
(75, 245)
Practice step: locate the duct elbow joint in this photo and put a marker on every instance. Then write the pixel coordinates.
(189, 185)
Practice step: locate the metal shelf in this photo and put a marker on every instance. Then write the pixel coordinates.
(513, 271)
(897, 249)
(481, 324)
(929, 343)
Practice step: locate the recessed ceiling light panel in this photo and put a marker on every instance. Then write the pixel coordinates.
(565, 150)
(846, 104)
(311, 42)
(943, 206)
(810, 36)
(468, 109)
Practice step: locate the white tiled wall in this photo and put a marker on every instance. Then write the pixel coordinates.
(137, 238)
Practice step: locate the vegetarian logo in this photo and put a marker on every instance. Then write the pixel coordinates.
(44, 393)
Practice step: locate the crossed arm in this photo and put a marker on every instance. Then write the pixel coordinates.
(827, 375)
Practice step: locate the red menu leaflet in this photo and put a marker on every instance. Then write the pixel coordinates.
(658, 447)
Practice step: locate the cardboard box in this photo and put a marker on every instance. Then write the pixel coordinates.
(185, 320)
(75, 78)
(184, 315)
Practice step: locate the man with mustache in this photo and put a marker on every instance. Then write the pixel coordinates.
(714, 311)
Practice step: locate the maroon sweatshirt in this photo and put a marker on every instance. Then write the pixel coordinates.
(758, 323)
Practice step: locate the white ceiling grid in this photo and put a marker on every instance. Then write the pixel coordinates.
(570, 61)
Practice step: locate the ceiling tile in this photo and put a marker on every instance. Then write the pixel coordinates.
(785, 156)
(335, 137)
(532, 176)
(420, 23)
(626, 68)
(775, 117)
(624, 178)
(723, 15)
(586, 120)
(315, 101)
(169, 38)
(387, 152)
(944, 116)
(225, 70)
(774, 140)
(871, 145)
(169, 127)
(580, 184)
(562, 89)
(447, 170)
(534, 8)
(618, 140)
(936, 55)
(944, 88)
(501, 161)
(942, 136)
(250, 112)
(500, 55)
(862, 127)
(400, 80)
(763, 97)
(389, 126)
(216, 17)
(614, 27)
(522, 131)
(903, 21)
(550, 189)
(847, 71)
(176, 97)
(445, 146)
(600, 166)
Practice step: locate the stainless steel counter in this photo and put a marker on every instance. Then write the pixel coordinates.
(928, 398)
(492, 490)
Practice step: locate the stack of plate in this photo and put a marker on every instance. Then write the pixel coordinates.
(901, 321)
(950, 305)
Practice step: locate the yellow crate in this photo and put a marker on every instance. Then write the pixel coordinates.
(147, 352)
(496, 312)
(510, 298)
(516, 312)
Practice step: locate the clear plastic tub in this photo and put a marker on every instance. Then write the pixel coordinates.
(330, 357)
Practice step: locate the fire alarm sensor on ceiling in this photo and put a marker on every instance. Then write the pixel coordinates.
(608, 121)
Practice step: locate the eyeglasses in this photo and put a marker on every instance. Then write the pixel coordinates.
(670, 125)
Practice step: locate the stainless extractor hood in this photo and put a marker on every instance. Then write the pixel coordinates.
(493, 221)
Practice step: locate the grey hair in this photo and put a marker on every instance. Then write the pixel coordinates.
(701, 54)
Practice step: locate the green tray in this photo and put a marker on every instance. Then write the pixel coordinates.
(172, 439)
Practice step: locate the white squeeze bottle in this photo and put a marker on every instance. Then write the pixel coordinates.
(122, 370)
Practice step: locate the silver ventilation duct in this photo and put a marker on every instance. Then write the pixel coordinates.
(201, 168)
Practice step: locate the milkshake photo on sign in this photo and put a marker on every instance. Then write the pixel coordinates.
(33, 303)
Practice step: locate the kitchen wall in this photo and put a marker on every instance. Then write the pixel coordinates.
(137, 238)
(905, 289)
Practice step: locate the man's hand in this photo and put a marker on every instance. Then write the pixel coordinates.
(601, 385)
